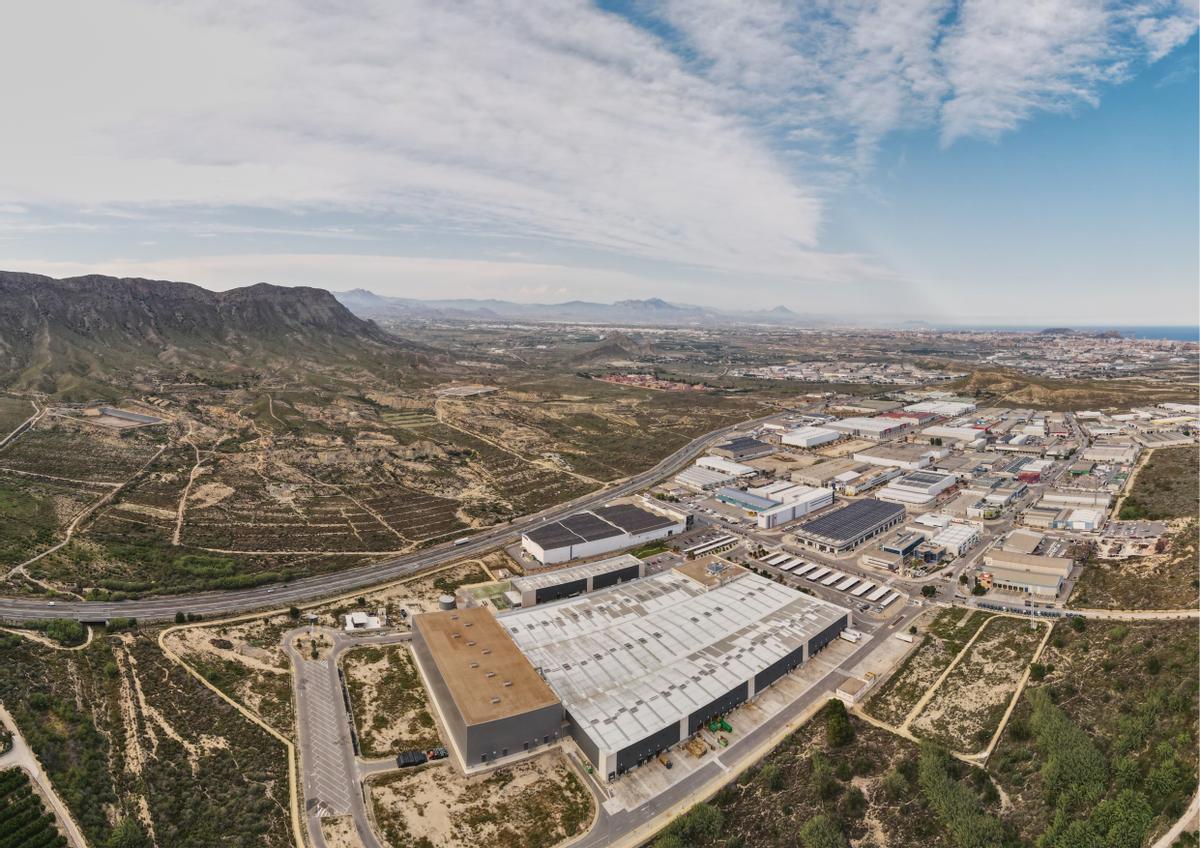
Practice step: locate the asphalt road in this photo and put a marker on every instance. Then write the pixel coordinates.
(208, 604)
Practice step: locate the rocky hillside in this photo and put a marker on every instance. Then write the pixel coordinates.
(71, 335)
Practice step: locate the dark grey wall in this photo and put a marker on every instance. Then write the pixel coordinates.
(536, 727)
(723, 704)
(631, 755)
(602, 581)
(826, 636)
(778, 669)
(585, 742)
(450, 714)
(562, 590)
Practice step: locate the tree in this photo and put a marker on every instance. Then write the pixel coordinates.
(65, 631)
(293, 613)
(838, 729)
(127, 834)
(978, 590)
(1078, 624)
(928, 591)
(180, 618)
(821, 832)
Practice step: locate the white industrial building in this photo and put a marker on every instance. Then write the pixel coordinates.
(917, 487)
(1084, 519)
(599, 531)
(954, 435)
(910, 457)
(944, 408)
(957, 539)
(874, 429)
(726, 466)
(702, 479)
(797, 502)
(644, 665)
(810, 437)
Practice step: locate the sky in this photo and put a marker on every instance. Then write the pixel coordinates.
(978, 161)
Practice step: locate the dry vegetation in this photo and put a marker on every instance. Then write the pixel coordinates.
(1157, 581)
(534, 804)
(837, 778)
(966, 709)
(1103, 749)
(134, 744)
(944, 638)
(391, 712)
(1166, 486)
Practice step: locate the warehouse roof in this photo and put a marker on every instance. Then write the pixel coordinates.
(634, 658)
(600, 523)
(851, 520)
(576, 572)
(486, 674)
(633, 519)
(743, 443)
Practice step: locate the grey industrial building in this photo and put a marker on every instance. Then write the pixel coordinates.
(743, 447)
(493, 703)
(849, 526)
(643, 665)
(578, 579)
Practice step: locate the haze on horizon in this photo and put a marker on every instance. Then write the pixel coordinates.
(979, 161)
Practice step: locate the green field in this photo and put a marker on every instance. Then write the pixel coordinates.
(24, 820)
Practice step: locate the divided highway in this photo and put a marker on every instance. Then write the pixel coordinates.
(303, 590)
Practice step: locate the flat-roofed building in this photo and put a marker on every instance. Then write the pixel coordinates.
(702, 479)
(874, 429)
(644, 665)
(492, 701)
(917, 487)
(910, 457)
(849, 526)
(795, 504)
(726, 466)
(810, 437)
(826, 473)
(746, 500)
(599, 531)
(577, 579)
(957, 539)
(1039, 577)
(743, 447)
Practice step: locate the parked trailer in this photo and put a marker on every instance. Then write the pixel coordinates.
(863, 589)
(851, 635)
(818, 574)
(832, 578)
(846, 584)
(903, 636)
(878, 593)
(889, 599)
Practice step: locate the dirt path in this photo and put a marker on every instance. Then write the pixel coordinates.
(929, 693)
(187, 490)
(48, 642)
(75, 522)
(23, 757)
(1130, 480)
(38, 412)
(986, 753)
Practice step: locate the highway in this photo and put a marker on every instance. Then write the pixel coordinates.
(307, 589)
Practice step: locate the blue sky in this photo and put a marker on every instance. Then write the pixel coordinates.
(972, 161)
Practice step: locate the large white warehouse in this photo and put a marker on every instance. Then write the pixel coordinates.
(810, 437)
(644, 665)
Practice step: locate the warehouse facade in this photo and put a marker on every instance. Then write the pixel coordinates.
(643, 665)
(578, 579)
(492, 701)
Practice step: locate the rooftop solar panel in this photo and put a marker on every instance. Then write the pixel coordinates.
(589, 527)
(632, 519)
(851, 520)
(553, 535)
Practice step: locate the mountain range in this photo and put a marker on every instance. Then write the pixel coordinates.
(649, 312)
(75, 336)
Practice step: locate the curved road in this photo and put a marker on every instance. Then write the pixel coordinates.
(222, 602)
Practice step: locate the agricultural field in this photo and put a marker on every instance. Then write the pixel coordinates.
(73, 450)
(135, 746)
(24, 820)
(837, 779)
(391, 712)
(1165, 486)
(941, 642)
(966, 709)
(1110, 764)
(13, 412)
(536, 803)
(1166, 580)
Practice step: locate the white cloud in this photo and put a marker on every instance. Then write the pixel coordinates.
(545, 121)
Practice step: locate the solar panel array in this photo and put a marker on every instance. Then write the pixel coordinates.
(602, 523)
(852, 520)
